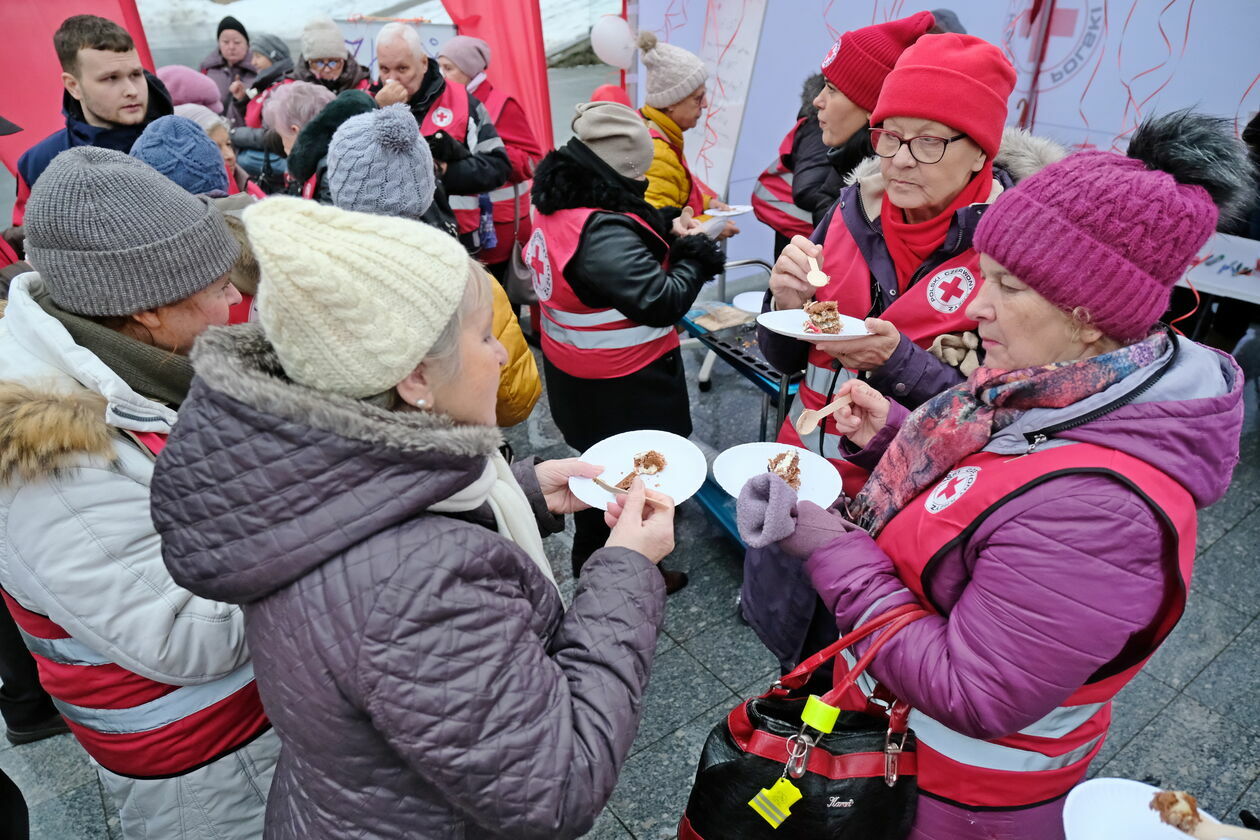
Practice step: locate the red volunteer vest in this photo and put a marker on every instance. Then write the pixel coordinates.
(934, 305)
(449, 113)
(581, 341)
(695, 198)
(132, 725)
(1046, 759)
(772, 197)
(511, 201)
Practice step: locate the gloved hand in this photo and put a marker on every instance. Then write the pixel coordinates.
(446, 148)
(768, 512)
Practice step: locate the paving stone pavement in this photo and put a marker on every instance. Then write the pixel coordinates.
(1189, 720)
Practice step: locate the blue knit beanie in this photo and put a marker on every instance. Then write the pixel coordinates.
(182, 151)
(379, 163)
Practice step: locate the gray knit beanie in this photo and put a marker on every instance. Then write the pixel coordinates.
(379, 163)
(109, 235)
(672, 72)
(616, 134)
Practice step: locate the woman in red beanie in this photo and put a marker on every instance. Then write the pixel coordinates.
(1043, 511)
(831, 135)
(897, 244)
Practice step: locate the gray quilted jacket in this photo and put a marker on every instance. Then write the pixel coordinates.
(424, 676)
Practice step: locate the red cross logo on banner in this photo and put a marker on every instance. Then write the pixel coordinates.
(949, 290)
(442, 117)
(951, 488)
(539, 265)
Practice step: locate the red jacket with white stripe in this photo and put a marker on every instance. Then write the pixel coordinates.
(511, 200)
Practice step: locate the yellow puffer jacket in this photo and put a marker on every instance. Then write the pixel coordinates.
(519, 384)
(668, 184)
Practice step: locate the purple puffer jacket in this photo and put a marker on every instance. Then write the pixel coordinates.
(1052, 586)
(424, 676)
(223, 74)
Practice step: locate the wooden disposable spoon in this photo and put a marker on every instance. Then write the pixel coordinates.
(810, 418)
(815, 276)
(617, 491)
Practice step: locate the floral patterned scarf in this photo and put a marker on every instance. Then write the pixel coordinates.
(959, 422)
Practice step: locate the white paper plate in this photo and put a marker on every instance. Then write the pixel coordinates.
(684, 472)
(749, 301)
(1116, 809)
(736, 210)
(791, 322)
(820, 481)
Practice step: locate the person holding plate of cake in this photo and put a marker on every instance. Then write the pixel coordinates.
(1044, 510)
(895, 250)
(612, 278)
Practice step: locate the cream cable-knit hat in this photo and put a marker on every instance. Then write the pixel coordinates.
(351, 302)
(672, 72)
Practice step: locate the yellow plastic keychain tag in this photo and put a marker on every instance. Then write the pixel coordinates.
(774, 803)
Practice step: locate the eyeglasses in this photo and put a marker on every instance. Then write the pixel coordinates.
(325, 63)
(925, 148)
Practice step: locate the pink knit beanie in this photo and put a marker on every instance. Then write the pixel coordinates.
(1101, 231)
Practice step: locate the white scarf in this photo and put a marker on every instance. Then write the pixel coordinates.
(513, 515)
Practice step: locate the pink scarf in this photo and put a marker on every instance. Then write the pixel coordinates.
(960, 422)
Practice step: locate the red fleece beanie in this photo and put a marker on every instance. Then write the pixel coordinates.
(959, 80)
(859, 62)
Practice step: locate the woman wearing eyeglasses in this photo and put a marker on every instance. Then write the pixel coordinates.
(897, 248)
(326, 61)
(676, 97)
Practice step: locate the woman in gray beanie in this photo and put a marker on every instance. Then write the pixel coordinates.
(605, 260)
(155, 683)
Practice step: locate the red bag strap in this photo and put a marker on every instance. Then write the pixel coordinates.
(798, 675)
(848, 683)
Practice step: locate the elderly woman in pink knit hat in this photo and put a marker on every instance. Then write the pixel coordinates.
(1043, 511)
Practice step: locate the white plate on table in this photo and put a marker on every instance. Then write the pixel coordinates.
(736, 210)
(1116, 809)
(791, 322)
(685, 467)
(749, 301)
(820, 481)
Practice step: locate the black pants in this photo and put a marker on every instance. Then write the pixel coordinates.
(23, 702)
(13, 815)
(589, 410)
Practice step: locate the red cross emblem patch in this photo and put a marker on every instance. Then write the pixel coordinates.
(950, 488)
(831, 54)
(442, 117)
(539, 265)
(949, 289)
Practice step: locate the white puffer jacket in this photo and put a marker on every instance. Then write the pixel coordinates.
(77, 544)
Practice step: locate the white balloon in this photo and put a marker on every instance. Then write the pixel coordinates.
(613, 41)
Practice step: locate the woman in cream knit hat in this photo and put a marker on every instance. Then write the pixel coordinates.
(675, 100)
(409, 637)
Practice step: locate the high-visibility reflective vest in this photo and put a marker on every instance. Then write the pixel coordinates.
(772, 197)
(580, 340)
(1047, 758)
(932, 305)
(132, 725)
(512, 200)
(449, 113)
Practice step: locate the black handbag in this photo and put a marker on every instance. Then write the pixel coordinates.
(837, 767)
